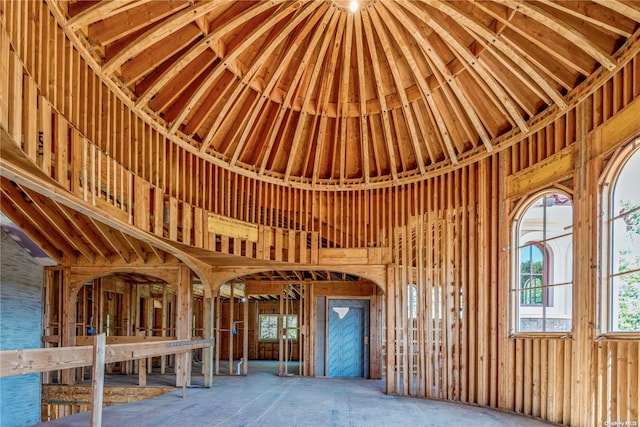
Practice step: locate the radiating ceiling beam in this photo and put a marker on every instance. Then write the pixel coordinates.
(584, 17)
(368, 31)
(159, 32)
(101, 10)
(470, 61)
(363, 118)
(328, 23)
(400, 90)
(323, 95)
(258, 62)
(499, 44)
(578, 39)
(205, 43)
(622, 8)
(275, 76)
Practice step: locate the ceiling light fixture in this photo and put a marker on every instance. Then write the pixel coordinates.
(353, 6)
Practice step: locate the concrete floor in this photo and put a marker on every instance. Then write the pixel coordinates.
(265, 399)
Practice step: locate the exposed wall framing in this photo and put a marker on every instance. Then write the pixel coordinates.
(448, 234)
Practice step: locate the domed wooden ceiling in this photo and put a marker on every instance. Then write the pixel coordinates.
(309, 92)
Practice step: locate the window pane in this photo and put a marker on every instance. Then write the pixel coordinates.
(531, 224)
(624, 250)
(625, 301)
(625, 195)
(558, 216)
(531, 293)
(559, 309)
(561, 263)
(531, 275)
(291, 323)
(545, 263)
(268, 327)
(530, 316)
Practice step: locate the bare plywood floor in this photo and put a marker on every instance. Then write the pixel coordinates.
(265, 399)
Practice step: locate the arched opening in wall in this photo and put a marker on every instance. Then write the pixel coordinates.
(129, 308)
(303, 323)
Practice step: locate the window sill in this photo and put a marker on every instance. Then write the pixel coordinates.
(618, 336)
(542, 335)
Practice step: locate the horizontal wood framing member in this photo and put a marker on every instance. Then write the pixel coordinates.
(29, 361)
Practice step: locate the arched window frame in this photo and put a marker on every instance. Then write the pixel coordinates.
(608, 185)
(550, 283)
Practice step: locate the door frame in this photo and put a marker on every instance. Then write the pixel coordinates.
(366, 332)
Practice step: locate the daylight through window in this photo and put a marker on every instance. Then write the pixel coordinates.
(621, 283)
(541, 290)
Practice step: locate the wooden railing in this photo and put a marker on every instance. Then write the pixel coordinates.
(96, 355)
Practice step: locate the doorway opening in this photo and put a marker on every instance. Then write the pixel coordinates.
(284, 323)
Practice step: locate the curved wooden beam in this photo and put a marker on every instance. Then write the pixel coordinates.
(495, 40)
(470, 62)
(315, 73)
(427, 48)
(323, 95)
(282, 66)
(159, 32)
(364, 132)
(368, 31)
(622, 8)
(577, 38)
(258, 62)
(101, 10)
(207, 42)
(584, 17)
(395, 72)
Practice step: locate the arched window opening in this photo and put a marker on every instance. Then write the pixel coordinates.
(541, 291)
(621, 245)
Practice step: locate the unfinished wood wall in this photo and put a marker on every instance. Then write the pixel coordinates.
(447, 232)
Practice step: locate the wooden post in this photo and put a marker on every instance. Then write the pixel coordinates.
(163, 325)
(391, 325)
(310, 342)
(217, 316)
(97, 381)
(207, 353)
(280, 334)
(186, 373)
(245, 334)
(149, 332)
(142, 372)
(67, 325)
(231, 316)
(302, 335)
(184, 315)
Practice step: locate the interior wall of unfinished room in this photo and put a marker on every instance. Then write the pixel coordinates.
(437, 248)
